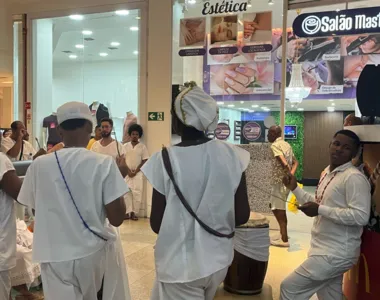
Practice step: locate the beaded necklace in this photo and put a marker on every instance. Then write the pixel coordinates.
(319, 199)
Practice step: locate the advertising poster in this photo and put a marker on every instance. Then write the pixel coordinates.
(236, 79)
(354, 65)
(360, 44)
(224, 30)
(222, 131)
(192, 32)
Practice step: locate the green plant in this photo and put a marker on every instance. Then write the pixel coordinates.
(298, 119)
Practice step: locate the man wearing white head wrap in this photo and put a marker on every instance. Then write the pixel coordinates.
(73, 191)
(190, 261)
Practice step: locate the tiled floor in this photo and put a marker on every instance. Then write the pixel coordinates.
(138, 242)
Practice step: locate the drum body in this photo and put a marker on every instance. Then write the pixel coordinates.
(247, 272)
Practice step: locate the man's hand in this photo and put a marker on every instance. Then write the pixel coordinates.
(39, 153)
(290, 181)
(310, 209)
(20, 134)
(120, 161)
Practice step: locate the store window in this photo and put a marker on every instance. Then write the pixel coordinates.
(89, 58)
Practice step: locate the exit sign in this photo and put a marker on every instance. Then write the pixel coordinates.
(156, 116)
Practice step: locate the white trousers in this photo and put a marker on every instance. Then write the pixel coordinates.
(5, 285)
(133, 198)
(201, 289)
(321, 275)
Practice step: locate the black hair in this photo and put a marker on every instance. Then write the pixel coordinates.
(107, 120)
(352, 135)
(71, 125)
(97, 127)
(15, 124)
(136, 127)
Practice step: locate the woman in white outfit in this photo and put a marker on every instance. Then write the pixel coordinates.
(195, 247)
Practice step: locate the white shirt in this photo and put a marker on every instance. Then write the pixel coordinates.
(111, 149)
(94, 181)
(135, 155)
(7, 221)
(28, 153)
(208, 176)
(344, 210)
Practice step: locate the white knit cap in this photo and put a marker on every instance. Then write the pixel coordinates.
(73, 111)
(197, 109)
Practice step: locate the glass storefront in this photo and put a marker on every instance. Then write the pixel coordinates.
(93, 58)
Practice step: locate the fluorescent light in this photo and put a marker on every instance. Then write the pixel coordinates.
(134, 28)
(331, 109)
(220, 103)
(230, 105)
(300, 109)
(135, 52)
(73, 56)
(255, 106)
(86, 32)
(76, 17)
(115, 44)
(103, 54)
(192, 1)
(79, 46)
(123, 12)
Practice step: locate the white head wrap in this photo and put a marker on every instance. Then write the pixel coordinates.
(197, 109)
(72, 111)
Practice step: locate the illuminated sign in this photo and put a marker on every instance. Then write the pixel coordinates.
(338, 23)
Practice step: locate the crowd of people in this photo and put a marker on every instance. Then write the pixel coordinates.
(80, 198)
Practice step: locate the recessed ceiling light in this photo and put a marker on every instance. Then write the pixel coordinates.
(270, 2)
(241, 102)
(220, 103)
(332, 104)
(76, 17)
(337, 10)
(86, 32)
(300, 109)
(73, 56)
(255, 106)
(231, 105)
(251, 111)
(103, 54)
(79, 46)
(122, 12)
(331, 100)
(135, 52)
(115, 44)
(331, 109)
(192, 1)
(265, 108)
(134, 28)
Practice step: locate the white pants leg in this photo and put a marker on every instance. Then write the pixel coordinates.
(318, 274)
(75, 280)
(5, 285)
(202, 289)
(133, 198)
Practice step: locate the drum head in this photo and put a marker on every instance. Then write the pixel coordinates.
(368, 91)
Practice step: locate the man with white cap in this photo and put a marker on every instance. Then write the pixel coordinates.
(73, 191)
(199, 197)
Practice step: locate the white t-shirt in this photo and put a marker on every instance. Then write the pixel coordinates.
(7, 221)
(208, 176)
(94, 181)
(135, 155)
(111, 149)
(28, 153)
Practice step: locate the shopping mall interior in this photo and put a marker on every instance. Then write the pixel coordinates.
(128, 60)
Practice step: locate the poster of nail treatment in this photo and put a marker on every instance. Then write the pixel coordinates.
(239, 79)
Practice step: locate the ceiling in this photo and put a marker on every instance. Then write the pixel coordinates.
(105, 27)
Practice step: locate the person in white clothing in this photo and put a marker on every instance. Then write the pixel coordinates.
(192, 256)
(341, 208)
(107, 145)
(73, 191)
(10, 186)
(136, 155)
(17, 146)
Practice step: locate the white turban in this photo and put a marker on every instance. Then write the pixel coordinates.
(197, 109)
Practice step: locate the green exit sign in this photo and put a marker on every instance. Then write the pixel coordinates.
(156, 116)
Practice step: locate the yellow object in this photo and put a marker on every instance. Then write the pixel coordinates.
(293, 203)
(90, 144)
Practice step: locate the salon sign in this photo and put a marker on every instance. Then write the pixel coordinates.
(224, 7)
(338, 23)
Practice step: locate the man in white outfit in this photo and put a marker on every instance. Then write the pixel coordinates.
(341, 208)
(73, 191)
(191, 261)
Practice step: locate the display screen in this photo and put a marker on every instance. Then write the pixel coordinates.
(290, 132)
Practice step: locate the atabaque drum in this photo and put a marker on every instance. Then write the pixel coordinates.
(248, 270)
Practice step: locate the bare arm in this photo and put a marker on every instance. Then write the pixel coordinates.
(295, 166)
(158, 210)
(242, 209)
(140, 166)
(116, 212)
(15, 150)
(11, 184)
(281, 159)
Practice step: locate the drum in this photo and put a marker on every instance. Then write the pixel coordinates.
(247, 272)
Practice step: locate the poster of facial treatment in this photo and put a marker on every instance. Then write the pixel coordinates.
(360, 45)
(238, 79)
(354, 65)
(192, 32)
